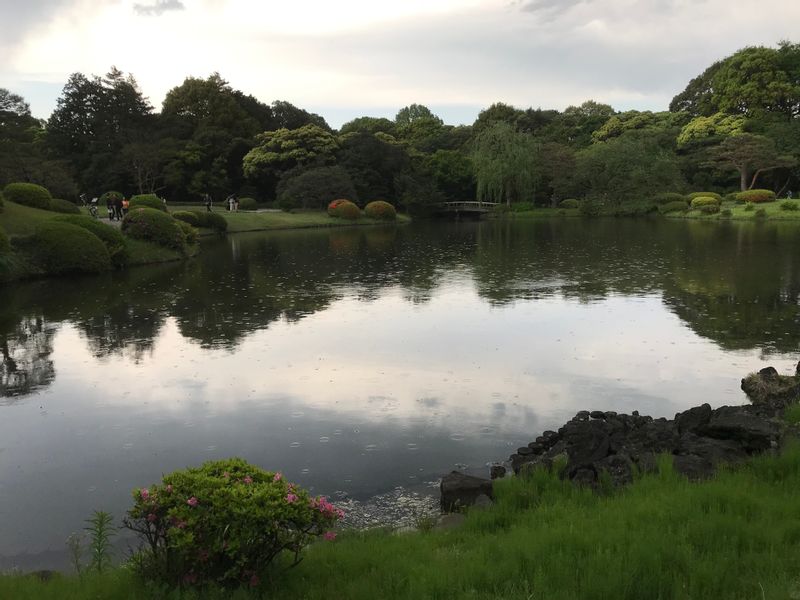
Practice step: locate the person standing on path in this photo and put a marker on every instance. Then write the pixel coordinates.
(207, 200)
(125, 206)
(118, 208)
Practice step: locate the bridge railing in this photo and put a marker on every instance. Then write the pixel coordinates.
(467, 205)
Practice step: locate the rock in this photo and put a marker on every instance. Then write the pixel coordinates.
(497, 472)
(460, 490)
(597, 414)
(587, 441)
(768, 372)
(483, 501)
(711, 449)
(524, 451)
(693, 467)
(732, 423)
(797, 370)
(584, 415)
(583, 476)
(618, 466)
(694, 418)
(536, 447)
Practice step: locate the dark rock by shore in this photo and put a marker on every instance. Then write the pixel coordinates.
(699, 440)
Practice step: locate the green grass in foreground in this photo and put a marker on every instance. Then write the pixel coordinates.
(737, 536)
(262, 221)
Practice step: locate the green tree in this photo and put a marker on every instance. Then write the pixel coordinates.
(369, 125)
(373, 161)
(414, 112)
(505, 165)
(315, 188)
(710, 129)
(751, 155)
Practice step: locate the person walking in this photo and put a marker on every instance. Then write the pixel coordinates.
(125, 206)
(110, 208)
(118, 208)
(207, 199)
(231, 200)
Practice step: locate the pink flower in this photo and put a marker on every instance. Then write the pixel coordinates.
(248, 480)
(330, 535)
(226, 475)
(254, 581)
(144, 493)
(277, 477)
(192, 501)
(290, 498)
(152, 518)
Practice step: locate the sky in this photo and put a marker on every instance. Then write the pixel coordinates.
(351, 58)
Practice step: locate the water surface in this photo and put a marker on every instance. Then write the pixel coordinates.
(361, 360)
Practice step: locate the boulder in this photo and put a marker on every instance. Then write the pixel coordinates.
(732, 423)
(694, 418)
(459, 490)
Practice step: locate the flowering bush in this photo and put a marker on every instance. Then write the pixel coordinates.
(333, 206)
(344, 209)
(380, 210)
(224, 523)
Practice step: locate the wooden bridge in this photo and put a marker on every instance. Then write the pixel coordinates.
(467, 209)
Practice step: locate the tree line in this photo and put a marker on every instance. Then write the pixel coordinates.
(735, 126)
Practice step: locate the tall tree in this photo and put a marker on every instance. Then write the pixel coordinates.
(505, 165)
(751, 155)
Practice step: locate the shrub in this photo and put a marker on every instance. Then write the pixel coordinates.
(147, 201)
(589, 208)
(190, 234)
(701, 201)
(224, 523)
(674, 206)
(112, 239)
(789, 205)
(756, 196)
(667, 197)
(348, 211)
(247, 203)
(761, 213)
(60, 248)
(709, 209)
(187, 216)
(726, 213)
(730, 197)
(522, 206)
(28, 194)
(111, 195)
(5, 246)
(380, 210)
(714, 195)
(63, 206)
(749, 206)
(212, 220)
(569, 203)
(154, 226)
(334, 205)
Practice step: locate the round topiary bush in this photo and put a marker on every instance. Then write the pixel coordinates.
(147, 201)
(714, 195)
(569, 203)
(190, 234)
(247, 203)
(224, 523)
(28, 194)
(674, 206)
(5, 246)
(212, 220)
(187, 216)
(701, 201)
(344, 209)
(113, 240)
(154, 226)
(756, 196)
(59, 248)
(380, 211)
(63, 206)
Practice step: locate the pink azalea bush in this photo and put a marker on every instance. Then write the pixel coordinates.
(224, 523)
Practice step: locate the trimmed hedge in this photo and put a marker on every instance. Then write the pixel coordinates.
(668, 197)
(569, 203)
(345, 210)
(154, 225)
(709, 209)
(113, 240)
(789, 205)
(714, 195)
(5, 246)
(28, 194)
(63, 206)
(147, 201)
(61, 248)
(701, 201)
(247, 203)
(674, 206)
(187, 216)
(380, 210)
(756, 196)
(335, 204)
(190, 234)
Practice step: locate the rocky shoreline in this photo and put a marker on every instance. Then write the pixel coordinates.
(597, 448)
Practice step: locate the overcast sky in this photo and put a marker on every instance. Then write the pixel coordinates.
(347, 58)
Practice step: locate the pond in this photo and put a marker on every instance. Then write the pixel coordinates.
(363, 362)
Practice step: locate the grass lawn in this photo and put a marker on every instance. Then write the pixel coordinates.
(23, 220)
(264, 221)
(736, 536)
(773, 210)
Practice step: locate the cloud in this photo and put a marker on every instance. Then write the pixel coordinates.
(158, 8)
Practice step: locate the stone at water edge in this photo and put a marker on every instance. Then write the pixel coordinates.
(459, 490)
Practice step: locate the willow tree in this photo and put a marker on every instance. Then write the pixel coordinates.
(505, 164)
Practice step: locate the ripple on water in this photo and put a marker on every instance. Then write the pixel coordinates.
(295, 445)
(457, 437)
